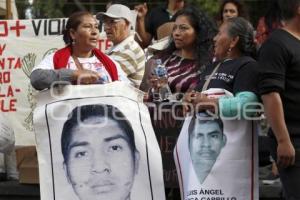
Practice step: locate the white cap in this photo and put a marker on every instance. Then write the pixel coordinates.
(117, 11)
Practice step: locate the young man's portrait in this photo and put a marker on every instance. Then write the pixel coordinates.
(97, 145)
(98, 141)
(206, 140)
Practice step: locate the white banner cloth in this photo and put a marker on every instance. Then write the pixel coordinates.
(93, 161)
(217, 159)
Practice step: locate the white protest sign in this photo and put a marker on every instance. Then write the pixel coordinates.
(97, 142)
(217, 158)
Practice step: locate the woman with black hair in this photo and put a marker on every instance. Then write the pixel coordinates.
(231, 8)
(235, 70)
(80, 62)
(227, 91)
(189, 50)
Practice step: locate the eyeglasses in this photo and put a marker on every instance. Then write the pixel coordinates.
(110, 22)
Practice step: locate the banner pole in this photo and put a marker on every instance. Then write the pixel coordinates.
(8, 9)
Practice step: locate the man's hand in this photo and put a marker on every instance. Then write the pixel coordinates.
(285, 154)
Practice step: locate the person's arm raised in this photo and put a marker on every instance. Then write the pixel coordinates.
(144, 37)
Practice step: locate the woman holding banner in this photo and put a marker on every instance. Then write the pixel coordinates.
(233, 70)
(227, 91)
(189, 50)
(80, 62)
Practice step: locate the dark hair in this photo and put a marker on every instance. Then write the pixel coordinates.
(73, 22)
(204, 118)
(273, 15)
(123, 2)
(242, 28)
(288, 8)
(242, 12)
(205, 31)
(81, 113)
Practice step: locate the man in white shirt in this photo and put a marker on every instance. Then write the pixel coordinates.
(117, 21)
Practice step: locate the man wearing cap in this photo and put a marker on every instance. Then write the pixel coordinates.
(126, 51)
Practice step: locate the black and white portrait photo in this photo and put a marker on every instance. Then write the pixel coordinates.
(217, 158)
(96, 147)
(94, 140)
(206, 140)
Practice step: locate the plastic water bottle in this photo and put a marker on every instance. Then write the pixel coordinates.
(103, 76)
(164, 91)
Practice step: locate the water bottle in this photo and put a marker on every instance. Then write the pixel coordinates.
(103, 75)
(164, 91)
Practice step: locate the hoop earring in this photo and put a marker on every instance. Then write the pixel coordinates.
(73, 42)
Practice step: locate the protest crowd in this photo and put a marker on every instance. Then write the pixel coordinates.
(221, 97)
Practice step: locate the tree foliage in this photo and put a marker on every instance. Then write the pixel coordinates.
(211, 7)
(49, 8)
(63, 8)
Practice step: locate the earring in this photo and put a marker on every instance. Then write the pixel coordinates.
(229, 51)
(73, 41)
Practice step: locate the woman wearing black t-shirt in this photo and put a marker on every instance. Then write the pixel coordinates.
(234, 70)
(224, 157)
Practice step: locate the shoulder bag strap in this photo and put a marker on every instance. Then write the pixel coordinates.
(210, 77)
(77, 63)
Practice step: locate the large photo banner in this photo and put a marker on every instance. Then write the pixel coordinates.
(217, 158)
(23, 44)
(97, 142)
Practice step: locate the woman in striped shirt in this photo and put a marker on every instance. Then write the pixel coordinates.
(189, 50)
